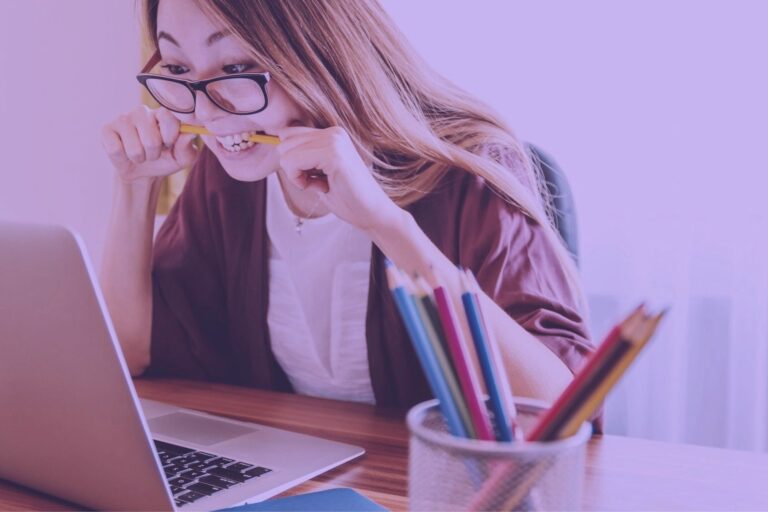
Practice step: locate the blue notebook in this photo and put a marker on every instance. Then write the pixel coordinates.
(340, 500)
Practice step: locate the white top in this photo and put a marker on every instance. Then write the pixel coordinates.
(318, 298)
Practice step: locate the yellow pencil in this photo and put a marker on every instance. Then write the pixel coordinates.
(199, 130)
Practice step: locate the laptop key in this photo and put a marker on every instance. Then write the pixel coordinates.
(203, 488)
(219, 462)
(171, 448)
(202, 456)
(217, 481)
(180, 480)
(193, 473)
(187, 459)
(173, 470)
(190, 496)
(171, 462)
(239, 466)
(257, 471)
(176, 490)
(231, 475)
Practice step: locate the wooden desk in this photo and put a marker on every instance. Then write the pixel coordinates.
(622, 473)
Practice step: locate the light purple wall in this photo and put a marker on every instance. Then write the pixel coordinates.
(66, 68)
(656, 110)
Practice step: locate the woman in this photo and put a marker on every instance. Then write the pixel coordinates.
(268, 271)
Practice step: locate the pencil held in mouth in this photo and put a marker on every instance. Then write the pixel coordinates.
(255, 137)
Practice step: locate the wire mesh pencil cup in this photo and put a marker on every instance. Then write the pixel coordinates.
(450, 473)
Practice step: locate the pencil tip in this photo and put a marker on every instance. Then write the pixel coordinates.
(430, 276)
(422, 286)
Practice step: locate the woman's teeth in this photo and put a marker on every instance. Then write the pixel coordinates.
(237, 142)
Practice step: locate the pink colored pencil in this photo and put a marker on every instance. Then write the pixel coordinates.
(468, 379)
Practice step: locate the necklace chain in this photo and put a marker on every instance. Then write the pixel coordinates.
(300, 220)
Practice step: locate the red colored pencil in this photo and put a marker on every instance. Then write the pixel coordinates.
(555, 414)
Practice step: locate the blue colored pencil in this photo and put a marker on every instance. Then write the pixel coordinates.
(424, 351)
(505, 386)
(501, 416)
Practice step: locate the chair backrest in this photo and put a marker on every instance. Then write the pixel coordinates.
(561, 198)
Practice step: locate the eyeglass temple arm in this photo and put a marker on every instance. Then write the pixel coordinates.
(154, 59)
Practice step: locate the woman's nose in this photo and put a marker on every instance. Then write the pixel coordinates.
(205, 109)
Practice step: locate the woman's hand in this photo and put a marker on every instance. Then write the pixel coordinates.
(146, 144)
(346, 183)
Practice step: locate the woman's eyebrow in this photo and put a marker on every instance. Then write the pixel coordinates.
(216, 36)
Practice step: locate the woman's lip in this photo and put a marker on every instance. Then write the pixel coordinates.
(234, 155)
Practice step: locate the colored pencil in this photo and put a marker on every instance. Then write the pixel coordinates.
(424, 352)
(524, 488)
(465, 370)
(638, 337)
(587, 392)
(505, 385)
(423, 302)
(556, 415)
(426, 295)
(493, 381)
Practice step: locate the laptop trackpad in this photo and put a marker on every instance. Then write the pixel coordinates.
(196, 429)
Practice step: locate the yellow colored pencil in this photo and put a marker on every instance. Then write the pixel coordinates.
(199, 130)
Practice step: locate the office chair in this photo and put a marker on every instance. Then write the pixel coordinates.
(561, 198)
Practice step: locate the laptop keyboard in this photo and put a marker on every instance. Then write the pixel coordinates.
(193, 474)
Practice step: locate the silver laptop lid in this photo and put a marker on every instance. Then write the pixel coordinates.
(69, 420)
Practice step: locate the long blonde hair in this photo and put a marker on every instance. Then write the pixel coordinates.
(346, 63)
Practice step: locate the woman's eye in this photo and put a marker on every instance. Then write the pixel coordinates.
(237, 68)
(174, 69)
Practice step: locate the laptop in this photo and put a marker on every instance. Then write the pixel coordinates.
(71, 424)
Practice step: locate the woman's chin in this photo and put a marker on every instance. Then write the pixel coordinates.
(248, 174)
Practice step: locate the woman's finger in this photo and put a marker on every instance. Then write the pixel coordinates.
(113, 146)
(149, 132)
(291, 140)
(169, 126)
(184, 152)
(134, 149)
(305, 166)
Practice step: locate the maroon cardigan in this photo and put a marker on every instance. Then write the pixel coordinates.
(211, 283)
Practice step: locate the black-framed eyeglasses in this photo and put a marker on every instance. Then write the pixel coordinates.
(240, 94)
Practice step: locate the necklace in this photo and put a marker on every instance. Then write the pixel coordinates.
(300, 221)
